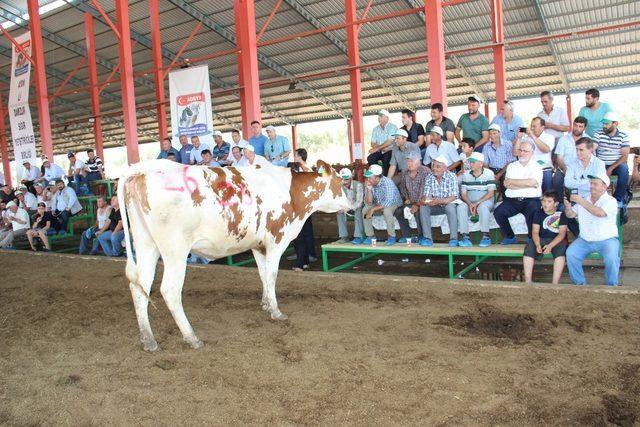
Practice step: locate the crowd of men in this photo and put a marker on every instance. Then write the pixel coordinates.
(554, 173)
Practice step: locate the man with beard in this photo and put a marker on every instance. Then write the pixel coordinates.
(594, 111)
(613, 150)
(473, 124)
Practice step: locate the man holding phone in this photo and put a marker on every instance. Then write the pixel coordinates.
(544, 143)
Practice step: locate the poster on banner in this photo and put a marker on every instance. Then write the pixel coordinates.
(191, 112)
(24, 142)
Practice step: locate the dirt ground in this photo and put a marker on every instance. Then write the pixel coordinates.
(357, 349)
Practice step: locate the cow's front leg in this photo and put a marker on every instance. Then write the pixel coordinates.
(268, 269)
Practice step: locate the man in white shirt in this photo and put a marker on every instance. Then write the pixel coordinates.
(64, 204)
(51, 172)
(27, 201)
(556, 119)
(250, 158)
(544, 143)
(31, 175)
(597, 216)
(1, 179)
(19, 224)
(237, 140)
(522, 181)
(77, 173)
(198, 148)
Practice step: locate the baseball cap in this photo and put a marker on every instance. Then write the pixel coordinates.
(476, 157)
(217, 133)
(19, 192)
(345, 173)
(610, 117)
(383, 112)
(250, 148)
(442, 159)
(24, 162)
(270, 127)
(44, 159)
(11, 204)
(71, 154)
(438, 130)
(602, 177)
(374, 169)
(401, 132)
(475, 98)
(495, 126)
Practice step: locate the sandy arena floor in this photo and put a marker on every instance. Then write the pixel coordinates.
(357, 349)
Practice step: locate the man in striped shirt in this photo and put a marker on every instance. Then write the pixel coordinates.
(477, 191)
(613, 150)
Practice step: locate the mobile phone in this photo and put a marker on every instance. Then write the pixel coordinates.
(523, 130)
(568, 192)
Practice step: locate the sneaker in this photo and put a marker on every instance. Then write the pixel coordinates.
(391, 241)
(426, 242)
(367, 241)
(485, 242)
(509, 241)
(403, 240)
(465, 243)
(357, 241)
(453, 243)
(343, 240)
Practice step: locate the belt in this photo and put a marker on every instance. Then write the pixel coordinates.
(522, 199)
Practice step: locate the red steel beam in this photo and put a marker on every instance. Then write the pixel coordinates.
(69, 77)
(435, 52)
(106, 18)
(269, 18)
(42, 97)
(499, 61)
(126, 82)
(158, 75)
(294, 137)
(6, 165)
(245, 25)
(93, 80)
(183, 47)
(353, 50)
(17, 45)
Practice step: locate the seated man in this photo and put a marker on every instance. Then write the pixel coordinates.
(196, 151)
(613, 149)
(544, 143)
(166, 148)
(30, 175)
(111, 239)
(498, 152)
(565, 153)
(381, 195)
(64, 204)
(221, 149)
(440, 147)
(19, 219)
(440, 192)
(51, 172)
(399, 154)
(477, 192)
(276, 148)
(236, 155)
(466, 149)
(76, 174)
(27, 201)
(44, 225)
(522, 181)
(411, 187)
(250, 158)
(548, 236)
(597, 216)
(95, 168)
(101, 225)
(382, 141)
(207, 160)
(354, 191)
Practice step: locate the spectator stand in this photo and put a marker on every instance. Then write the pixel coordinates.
(87, 214)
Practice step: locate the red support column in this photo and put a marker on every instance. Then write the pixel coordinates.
(569, 113)
(156, 49)
(93, 81)
(353, 48)
(499, 63)
(126, 82)
(486, 109)
(249, 80)
(435, 51)
(6, 165)
(294, 137)
(42, 97)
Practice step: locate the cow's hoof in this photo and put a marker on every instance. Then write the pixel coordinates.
(196, 345)
(151, 347)
(279, 316)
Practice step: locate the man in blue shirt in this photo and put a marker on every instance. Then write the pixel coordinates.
(185, 151)
(594, 111)
(257, 140)
(221, 149)
(509, 122)
(380, 195)
(276, 148)
(166, 148)
(565, 152)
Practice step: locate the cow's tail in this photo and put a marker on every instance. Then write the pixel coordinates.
(132, 268)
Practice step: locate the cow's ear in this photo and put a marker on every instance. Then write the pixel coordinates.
(324, 169)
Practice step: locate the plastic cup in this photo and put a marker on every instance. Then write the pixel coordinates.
(373, 242)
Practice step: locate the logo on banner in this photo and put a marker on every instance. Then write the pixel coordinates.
(22, 63)
(191, 109)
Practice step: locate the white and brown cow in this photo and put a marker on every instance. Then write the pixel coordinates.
(174, 209)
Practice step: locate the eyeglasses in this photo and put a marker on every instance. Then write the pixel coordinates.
(525, 151)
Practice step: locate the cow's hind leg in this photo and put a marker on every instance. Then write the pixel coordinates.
(261, 263)
(171, 289)
(146, 266)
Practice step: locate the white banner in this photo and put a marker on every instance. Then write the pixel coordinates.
(24, 142)
(191, 103)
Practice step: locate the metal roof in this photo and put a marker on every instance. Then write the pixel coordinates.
(602, 59)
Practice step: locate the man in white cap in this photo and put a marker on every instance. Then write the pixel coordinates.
(399, 154)
(440, 192)
(276, 148)
(613, 150)
(440, 147)
(523, 181)
(30, 175)
(19, 219)
(411, 188)
(381, 141)
(498, 152)
(221, 149)
(250, 158)
(477, 192)
(354, 191)
(51, 172)
(473, 124)
(597, 216)
(381, 195)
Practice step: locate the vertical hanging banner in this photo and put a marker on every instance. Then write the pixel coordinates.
(191, 112)
(24, 142)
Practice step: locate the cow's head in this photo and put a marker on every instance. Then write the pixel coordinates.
(333, 198)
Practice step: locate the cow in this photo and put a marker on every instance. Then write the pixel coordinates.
(170, 210)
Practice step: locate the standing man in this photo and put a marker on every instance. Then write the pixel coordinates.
(381, 141)
(473, 124)
(613, 150)
(440, 147)
(399, 153)
(185, 150)
(523, 181)
(415, 131)
(477, 192)
(508, 122)
(198, 148)
(276, 148)
(594, 111)
(381, 195)
(166, 148)
(444, 123)
(257, 139)
(555, 118)
(498, 153)
(597, 216)
(354, 191)
(221, 149)
(411, 188)
(544, 144)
